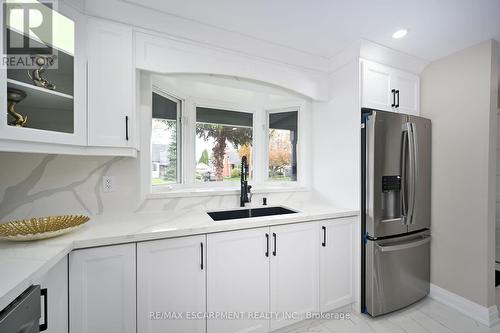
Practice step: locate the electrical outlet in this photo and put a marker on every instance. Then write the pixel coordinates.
(108, 183)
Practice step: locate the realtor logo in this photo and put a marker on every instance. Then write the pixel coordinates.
(28, 34)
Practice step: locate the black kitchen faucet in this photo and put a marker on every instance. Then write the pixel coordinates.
(245, 195)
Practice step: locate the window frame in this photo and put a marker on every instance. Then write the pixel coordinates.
(205, 103)
(179, 142)
(283, 183)
(186, 146)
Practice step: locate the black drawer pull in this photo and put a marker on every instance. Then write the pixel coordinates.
(274, 249)
(267, 245)
(324, 236)
(126, 128)
(45, 325)
(201, 250)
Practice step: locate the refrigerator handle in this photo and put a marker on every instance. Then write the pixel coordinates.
(404, 178)
(405, 246)
(413, 171)
(415, 168)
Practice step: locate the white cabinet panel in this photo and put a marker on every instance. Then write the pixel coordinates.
(408, 87)
(238, 279)
(294, 270)
(56, 283)
(336, 263)
(110, 84)
(102, 289)
(171, 278)
(376, 86)
(389, 89)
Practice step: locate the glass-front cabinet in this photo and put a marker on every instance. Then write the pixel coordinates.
(43, 73)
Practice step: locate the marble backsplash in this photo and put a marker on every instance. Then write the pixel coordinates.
(39, 185)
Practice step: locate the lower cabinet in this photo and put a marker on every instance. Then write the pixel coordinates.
(102, 289)
(238, 280)
(271, 274)
(254, 280)
(54, 284)
(171, 289)
(336, 257)
(294, 272)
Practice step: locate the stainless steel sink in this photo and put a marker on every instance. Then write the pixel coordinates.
(248, 213)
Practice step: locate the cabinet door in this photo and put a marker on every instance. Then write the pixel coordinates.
(110, 84)
(171, 278)
(238, 279)
(376, 87)
(294, 271)
(336, 263)
(56, 283)
(408, 86)
(102, 289)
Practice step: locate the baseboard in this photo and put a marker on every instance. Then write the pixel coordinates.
(487, 316)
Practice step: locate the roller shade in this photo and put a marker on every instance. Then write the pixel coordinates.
(284, 120)
(164, 108)
(224, 117)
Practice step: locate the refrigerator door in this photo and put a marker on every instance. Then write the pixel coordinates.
(421, 186)
(397, 272)
(384, 143)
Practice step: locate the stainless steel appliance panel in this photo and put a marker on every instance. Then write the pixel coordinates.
(384, 133)
(399, 274)
(23, 314)
(422, 186)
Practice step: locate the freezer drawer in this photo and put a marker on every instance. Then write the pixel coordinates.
(397, 272)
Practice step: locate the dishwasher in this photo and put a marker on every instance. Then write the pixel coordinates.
(23, 314)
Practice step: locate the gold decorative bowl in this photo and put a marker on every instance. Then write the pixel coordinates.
(41, 227)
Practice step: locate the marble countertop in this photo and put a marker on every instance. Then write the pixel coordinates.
(23, 263)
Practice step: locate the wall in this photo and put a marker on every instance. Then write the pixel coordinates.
(40, 185)
(336, 139)
(457, 95)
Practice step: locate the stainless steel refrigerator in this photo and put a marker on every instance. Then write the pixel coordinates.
(395, 212)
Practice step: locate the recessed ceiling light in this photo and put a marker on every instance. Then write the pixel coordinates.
(399, 34)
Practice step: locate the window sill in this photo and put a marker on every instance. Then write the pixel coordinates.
(204, 192)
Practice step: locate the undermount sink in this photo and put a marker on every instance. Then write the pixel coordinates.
(249, 212)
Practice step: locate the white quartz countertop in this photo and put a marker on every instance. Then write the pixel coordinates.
(23, 263)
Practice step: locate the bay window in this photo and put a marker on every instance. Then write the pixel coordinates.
(222, 138)
(282, 150)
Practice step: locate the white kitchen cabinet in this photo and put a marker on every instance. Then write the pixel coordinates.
(389, 89)
(110, 84)
(407, 86)
(102, 289)
(55, 284)
(336, 263)
(238, 279)
(294, 271)
(49, 108)
(376, 86)
(171, 277)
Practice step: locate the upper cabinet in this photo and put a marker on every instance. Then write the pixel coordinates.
(110, 84)
(69, 86)
(44, 80)
(389, 89)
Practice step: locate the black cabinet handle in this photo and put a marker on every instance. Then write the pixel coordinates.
(45, 325)
(397, 103)
(126, 128)
(324, 236)
(393, 91)
(201, 250)
(274, 249)
(267, 245)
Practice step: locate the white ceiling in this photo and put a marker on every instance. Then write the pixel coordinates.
(326, 27)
